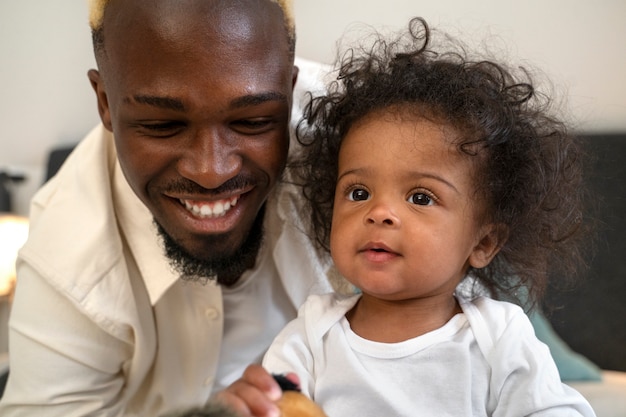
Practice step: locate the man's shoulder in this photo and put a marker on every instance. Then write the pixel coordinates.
(302, 268)
(73, 231)
(88, 163)
(313, 77)
(287, 200)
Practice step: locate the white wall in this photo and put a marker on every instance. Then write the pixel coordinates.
(580, 44)
(45, 52)
(45, 96)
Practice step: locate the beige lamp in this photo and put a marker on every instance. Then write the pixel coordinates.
(13, 234)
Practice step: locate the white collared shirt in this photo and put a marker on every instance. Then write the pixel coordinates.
(101, 325)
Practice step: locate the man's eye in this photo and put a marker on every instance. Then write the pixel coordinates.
(162, 129)
(421, 199)
(358, 195)
(253, 126)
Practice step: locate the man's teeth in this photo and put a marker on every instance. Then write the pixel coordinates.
(206, 209)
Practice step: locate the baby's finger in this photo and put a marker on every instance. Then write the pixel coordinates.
(257, 376)
(248, 400)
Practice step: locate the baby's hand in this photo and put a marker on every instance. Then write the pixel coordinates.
(254, 394)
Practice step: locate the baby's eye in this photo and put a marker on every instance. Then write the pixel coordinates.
(421, 199)
(358, 194)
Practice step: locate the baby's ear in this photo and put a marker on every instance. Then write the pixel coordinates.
(491, 239)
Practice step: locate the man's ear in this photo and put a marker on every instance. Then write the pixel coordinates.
(492, 238)
(101, 96)
(294, 76)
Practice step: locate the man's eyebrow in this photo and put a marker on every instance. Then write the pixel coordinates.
(157, 101)
(175, 104)
(256, 99)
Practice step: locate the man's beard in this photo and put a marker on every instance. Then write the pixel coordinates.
(226, 268)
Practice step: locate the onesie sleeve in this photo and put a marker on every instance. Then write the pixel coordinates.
(299, 347)
(525, 380)
(290, 352)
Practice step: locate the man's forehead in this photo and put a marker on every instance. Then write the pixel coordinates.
(97, 8)
(185, 20)
(202, 38)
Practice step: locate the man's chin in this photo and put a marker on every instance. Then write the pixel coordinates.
(224, 267)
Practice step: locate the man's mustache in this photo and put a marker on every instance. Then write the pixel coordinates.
(185, 186)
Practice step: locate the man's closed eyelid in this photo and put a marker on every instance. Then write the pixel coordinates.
(253, 122)
(161, 125)
(159, 129)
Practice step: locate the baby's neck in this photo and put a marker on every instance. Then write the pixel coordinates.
(396, 321)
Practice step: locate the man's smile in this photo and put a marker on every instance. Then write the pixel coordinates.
(210, 209)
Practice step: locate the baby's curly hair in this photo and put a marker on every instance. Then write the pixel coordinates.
(530, 177)
(98, 7)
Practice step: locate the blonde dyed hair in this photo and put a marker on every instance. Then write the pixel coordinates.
(97, 7)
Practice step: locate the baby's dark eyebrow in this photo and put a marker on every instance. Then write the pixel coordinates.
(440, 179)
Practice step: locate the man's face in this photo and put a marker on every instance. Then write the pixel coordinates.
(198, 98)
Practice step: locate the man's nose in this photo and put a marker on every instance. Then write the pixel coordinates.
(210, 159)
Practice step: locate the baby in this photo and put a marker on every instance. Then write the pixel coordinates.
(438, 184)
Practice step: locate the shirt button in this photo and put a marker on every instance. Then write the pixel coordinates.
(208, 381)
(211, 313)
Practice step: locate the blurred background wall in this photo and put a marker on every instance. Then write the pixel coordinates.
(45, 52)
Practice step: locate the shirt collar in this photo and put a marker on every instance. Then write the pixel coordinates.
(140, 232)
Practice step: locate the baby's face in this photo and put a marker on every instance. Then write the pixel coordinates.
(406, 216)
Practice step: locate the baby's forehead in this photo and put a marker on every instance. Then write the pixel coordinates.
(383, 135)
(415, 117)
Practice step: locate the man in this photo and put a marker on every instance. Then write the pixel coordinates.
(117, 310)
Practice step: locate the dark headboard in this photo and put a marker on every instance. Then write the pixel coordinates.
(591, 318)
(56, 158)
